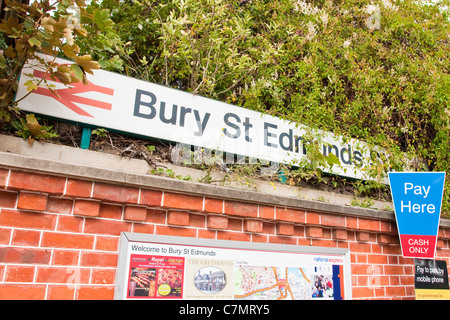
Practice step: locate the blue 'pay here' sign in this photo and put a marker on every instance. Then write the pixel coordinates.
(417, 198)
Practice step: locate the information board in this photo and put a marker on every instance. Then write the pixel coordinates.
(431, 279)
(173, 268)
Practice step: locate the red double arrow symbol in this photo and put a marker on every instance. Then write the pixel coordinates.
(68, 96)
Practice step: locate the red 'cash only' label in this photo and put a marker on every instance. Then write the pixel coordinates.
(419, 246)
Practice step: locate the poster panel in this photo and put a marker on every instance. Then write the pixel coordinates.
(170, 268)
(431, 279)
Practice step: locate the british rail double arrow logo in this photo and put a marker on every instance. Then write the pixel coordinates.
(68, 96)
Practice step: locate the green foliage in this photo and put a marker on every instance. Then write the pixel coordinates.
(169, 173)
(365, 203)
(30, 129)
(151, 148)
(29, 29)
(53, 29)
(373, 70)
(103, 43)
(100, 132)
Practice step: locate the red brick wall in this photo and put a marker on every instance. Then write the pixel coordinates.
(59, 236)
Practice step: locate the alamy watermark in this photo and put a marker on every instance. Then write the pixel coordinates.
(74, 19)
(184, 154)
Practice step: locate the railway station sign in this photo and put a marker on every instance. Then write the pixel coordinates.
(152, 267)
(417, 198)
(120, 103)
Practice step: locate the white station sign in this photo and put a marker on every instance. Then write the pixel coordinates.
(129, 105)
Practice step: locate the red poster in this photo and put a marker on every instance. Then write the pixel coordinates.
(155, 277)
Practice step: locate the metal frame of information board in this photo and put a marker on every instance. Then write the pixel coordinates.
(239, 252)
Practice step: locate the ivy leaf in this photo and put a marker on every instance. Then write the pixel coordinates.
(332, 159)
(70, 51)
(2, 61)
(102, 19)
(86, 63)
(63, 77)
(34, 42)
(33, 125)
(81, 31)
(77, 71)
(11, 26)
(31, 85)
(10, 52)
(85, 80)
(115, 62)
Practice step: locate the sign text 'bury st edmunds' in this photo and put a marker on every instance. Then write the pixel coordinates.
(148, 106)
(129, 105)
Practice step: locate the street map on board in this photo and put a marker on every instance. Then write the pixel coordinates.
(271, 283)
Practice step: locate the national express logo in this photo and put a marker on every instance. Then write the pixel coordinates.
(68, 96)
(328, 260)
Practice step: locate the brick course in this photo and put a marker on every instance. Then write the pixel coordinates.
(59, 236)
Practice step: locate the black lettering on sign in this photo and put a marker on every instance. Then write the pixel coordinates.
(227, 121)
(145, 107)
(149, 111)
(268, 134)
